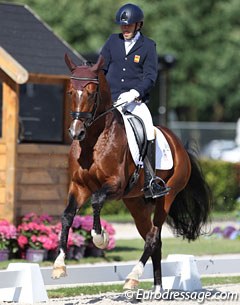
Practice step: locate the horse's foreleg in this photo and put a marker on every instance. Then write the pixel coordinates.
(59, 267)
(141, 213)
(100, 237)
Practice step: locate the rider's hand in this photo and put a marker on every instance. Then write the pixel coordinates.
(127, 97)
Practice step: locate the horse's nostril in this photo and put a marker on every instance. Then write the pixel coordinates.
(77, 134)
(82, 134)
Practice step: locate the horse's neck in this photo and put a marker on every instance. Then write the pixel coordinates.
(105, 93)
(100, 125)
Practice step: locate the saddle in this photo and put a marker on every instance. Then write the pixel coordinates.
(139, 131)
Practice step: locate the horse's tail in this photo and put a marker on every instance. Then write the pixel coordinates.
(191, 207)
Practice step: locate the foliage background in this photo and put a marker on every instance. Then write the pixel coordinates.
(225, 192)
(204, 37)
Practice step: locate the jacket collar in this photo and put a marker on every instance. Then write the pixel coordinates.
(136, 46)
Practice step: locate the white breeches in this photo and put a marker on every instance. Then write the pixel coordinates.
(141, 110)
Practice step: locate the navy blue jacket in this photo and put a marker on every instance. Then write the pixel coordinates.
(137, 70)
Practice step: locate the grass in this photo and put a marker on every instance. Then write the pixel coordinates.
(222, 280)
(132, 249)
(215, 216)
(118, 288)
(224, 216)
(119, 218)
(127, 250)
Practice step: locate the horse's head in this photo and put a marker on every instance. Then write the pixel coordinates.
(84, 91)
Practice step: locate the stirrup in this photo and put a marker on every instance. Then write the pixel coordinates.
(155, 190)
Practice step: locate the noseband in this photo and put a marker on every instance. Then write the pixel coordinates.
(89, 117)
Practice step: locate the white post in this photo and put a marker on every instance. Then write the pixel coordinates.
(29, 286)
(187, 277)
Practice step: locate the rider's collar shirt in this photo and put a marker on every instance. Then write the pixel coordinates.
(131, 42)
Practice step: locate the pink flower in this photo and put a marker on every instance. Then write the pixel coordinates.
(108, 227)
(87, 223)
(4, 222)
(8, 233)
(37, 232)
(112, 243)
(77, 221)
(34, 238)
(22, 241)
(51, 242)
(45, 218)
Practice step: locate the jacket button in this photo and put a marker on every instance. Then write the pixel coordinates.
(125, 58)
(124, 69)
(122, 80)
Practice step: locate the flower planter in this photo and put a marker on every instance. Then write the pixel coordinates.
(33, 255)
(75, 252)
(79, 252)
(4, 255)
(93, 251)
(52, 255)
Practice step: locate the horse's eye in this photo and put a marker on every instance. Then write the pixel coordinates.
(69, 92)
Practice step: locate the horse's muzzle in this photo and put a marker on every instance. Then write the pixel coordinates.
(80, 135)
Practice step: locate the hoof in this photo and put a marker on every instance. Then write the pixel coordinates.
(130, 284)
(158, 289)
(100, 240)
(59, 272)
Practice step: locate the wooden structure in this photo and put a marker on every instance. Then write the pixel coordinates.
(33, 177)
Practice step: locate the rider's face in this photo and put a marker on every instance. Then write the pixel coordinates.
(128, 31)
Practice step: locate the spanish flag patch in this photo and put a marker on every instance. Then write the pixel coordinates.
(137, 58)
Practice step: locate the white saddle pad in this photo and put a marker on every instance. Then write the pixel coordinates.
(164, 160)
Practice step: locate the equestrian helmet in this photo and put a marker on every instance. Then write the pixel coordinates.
(129, 14)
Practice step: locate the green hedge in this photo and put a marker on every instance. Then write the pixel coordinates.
(222, 177)
(112, 207)
(223, 180)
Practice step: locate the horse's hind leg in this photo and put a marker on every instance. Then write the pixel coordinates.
(156, 261)
(151, 248)
(100, 237)
(162, 208)
(59, 268)
(151, 232)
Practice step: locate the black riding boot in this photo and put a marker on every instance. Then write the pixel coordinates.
(151, 188)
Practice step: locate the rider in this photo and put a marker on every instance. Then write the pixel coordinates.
(131, 67)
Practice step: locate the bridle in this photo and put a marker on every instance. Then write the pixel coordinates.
(90, 117)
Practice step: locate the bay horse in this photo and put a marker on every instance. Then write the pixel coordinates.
(101, 165)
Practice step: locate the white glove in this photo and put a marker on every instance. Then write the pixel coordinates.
(127, 97)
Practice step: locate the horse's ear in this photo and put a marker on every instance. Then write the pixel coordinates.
(71, 65)
(98, 65)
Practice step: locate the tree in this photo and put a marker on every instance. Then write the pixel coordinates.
(203, 36)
